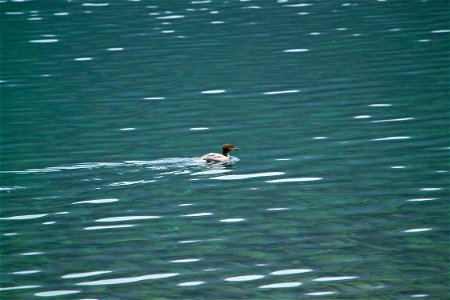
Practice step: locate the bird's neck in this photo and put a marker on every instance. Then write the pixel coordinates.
(225, 152)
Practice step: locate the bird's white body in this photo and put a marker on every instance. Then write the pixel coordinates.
(215, 158)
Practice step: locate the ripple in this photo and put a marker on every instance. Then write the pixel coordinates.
(362, 117)
(198, 128)
(198, 241)
(127, 218)
(83, 58)
(191, 283)
(115, 49)
(392, 120)
(291, 271)
(159, 164)
(85, 274)
(299, 179)
(122, 183)
(26, 272)
(198, 214)
(127, 129)
(320, 138)
(32, 253)
(417, 230)
(128, 279)
(214, 92)
(281, 92)
(421, 199)
(108, 227)
(95, 4)
(246, 176)
(278, 208)
(25, 217)
(441, 31)
(154, 98)
(211, 269)
(430, 189)
(20, 287)
(172, 17)
(14, 13)
(280, 285)
(44, 41)
(212, 172)
(91, 165)
(185, 260)
(392, 138)
(189, 241)
(97, 201)
(295, 50)
(10, 188)
(337, 278)
(56, 293)
(232, 220)
(320, 293)
(380, 105)
(298, 5)
(244, 278)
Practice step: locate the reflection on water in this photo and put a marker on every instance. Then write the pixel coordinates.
(295, 179)
(245, 176)
(335, 278)
(26, 272)
(233, 220)
(128, 279)
(320, 293)
(191, 283)
(108, 227)
(96, 201)
(56, 293)
(244, 278)
(290, 272)
(85, 274)
(280, 285)
(338, 192)
(129, 218)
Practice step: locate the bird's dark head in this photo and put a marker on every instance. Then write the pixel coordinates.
(227, 148)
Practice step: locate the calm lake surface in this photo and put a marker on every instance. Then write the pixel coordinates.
(339, 191)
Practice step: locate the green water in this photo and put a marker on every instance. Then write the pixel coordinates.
(339, 191)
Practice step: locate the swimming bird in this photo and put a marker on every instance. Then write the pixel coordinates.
(217, 157)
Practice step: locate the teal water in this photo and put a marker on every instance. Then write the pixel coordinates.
(339, 191)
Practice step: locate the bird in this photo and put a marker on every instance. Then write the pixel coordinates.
(217, 157)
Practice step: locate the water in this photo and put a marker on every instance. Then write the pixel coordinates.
(339, 191)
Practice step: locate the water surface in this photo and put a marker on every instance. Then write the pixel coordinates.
(339, 191)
